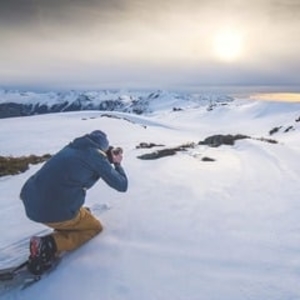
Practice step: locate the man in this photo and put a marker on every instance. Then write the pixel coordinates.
(55, 196)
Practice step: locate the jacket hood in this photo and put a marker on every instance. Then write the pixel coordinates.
(96, 139)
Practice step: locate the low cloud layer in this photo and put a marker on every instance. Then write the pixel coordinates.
(116, 43)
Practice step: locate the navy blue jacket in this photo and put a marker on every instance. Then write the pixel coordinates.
(57, 191)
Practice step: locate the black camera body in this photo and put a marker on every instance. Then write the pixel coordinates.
(113, 151)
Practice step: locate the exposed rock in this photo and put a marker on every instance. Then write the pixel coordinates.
(274, 130)
(289, 129)
(158, 154)
(212, 141)
(16, 165)
(144, 145)
(166, 152)
(266, 140)
(120, 118)
(8, 110)
(206, 158)
(219, 139)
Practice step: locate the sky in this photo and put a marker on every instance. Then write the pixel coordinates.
(94, 44)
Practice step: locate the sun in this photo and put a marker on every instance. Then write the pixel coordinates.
(228, 45)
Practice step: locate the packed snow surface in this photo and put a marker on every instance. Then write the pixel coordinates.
(186, 229)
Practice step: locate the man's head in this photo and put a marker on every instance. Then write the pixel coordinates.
(100, 138)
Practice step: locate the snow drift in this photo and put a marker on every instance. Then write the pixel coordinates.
(187, 228)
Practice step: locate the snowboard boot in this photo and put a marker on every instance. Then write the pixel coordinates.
(42, 254)
(87, 208)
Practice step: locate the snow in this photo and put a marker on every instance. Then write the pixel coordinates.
(186, 229)
(127, 99)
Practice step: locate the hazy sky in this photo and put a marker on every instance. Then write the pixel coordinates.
(87, 44)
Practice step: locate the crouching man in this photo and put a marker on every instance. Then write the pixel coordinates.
(55, 196)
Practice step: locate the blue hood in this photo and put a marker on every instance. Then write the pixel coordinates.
(96, 139)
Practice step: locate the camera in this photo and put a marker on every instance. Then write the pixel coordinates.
(113, 151)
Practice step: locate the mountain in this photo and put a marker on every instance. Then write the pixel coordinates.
(15, 103)
(188, 228)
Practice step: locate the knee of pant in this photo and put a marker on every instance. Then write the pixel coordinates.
(99, 227)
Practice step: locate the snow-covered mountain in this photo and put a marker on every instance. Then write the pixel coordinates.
(187, 228)
(15, 103)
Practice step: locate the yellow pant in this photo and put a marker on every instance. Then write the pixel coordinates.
(71, 234)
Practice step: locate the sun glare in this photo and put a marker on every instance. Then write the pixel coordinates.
(227, 45)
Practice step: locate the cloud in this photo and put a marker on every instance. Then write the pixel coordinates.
(146, 42)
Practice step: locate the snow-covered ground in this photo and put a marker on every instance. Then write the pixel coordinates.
(186, 229)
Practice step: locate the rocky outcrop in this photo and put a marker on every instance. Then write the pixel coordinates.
(8, 110)
(211, 141)
(163, 152)
(11, 109)
(15, 165)
(219, 139)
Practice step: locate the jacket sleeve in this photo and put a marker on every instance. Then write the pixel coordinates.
(114, 176)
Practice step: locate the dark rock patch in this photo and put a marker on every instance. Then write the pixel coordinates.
(120, 118)
(274, 130)
(271, 141)
(144, 145)
(289, 129)
(206, 158)
(219, 139)
(15, 165)
(166, 152)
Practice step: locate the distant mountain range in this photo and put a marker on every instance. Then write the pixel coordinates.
(17, 103)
